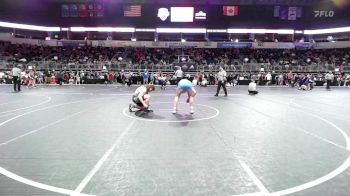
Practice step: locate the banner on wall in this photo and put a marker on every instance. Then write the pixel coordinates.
(287, 13)
(71, 43)
(101, 43)
(328, 45)
(302, 45)
(109, 43)
(234, 44)
(184, 44)
(273, 45)
(150, 44)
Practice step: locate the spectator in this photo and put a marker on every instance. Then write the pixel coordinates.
(146, 76)
(2, 77)
(59, 78)
(252, 88)
(77, 79)
(347, 80)
(268, 78)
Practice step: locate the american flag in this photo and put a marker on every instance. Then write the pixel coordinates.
(132, 10)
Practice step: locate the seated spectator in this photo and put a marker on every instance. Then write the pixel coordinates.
(252, 88)
(2, 77)
(347, 80)
(204, 82)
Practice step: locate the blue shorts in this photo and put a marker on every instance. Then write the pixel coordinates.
(184, 85)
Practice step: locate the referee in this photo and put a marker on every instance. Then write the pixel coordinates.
(329, 78)
(221, 76)
(16, 75)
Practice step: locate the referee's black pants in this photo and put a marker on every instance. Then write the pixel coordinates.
(329, 82)
(223, 84)
(16, 83)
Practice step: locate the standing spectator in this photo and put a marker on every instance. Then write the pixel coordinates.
(77, 79)
(2, 77)
(230, 79)
(295, 79)
(152, 78)
(273, 75)
(347, 80)
(128, 78)
(110, 77)
(139, 78)
(211, 79)
(280, 79)
(311, 82)
(289, 78)
(162, 81)
(82, 76)
(105, 78)
(261, 77)
(47, 76)
(16, 74)
(41, 77)
(329, 78)
(145, 75)
(179, 74)
(196, 79)
(268, 78)
(221, 76)
(59, 77)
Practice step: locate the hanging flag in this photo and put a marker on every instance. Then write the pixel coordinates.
(292, 13)
(283, 13)
(82, 10)
(276, 11)
(73, 10)
(91, 7)
(230, 10)
(299, 12)
(132, 10)
(65, 10)
(287, 13)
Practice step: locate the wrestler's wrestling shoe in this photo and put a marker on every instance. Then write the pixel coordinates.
(192, 111)
(174, 111)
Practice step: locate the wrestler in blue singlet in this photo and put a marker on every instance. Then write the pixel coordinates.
(184, 85)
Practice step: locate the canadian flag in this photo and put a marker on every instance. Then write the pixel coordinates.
(230, 10)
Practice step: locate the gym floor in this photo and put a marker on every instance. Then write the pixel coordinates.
(82, 140)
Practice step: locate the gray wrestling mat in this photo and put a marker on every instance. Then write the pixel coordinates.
(81, 140)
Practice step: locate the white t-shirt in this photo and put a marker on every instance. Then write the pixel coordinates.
(252, 86)
(268, 77)
(16, 72)
(221, 75)
(179, 73)
(329, 76)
